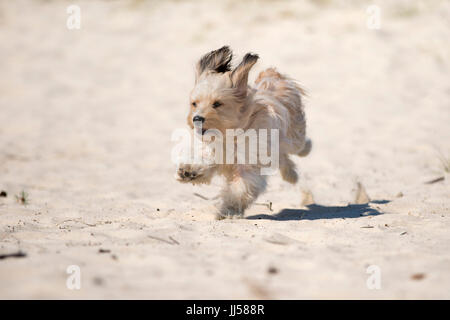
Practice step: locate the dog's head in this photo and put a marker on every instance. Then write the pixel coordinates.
(218, 100)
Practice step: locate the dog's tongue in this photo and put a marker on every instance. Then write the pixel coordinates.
(199, 128)
(201, 131)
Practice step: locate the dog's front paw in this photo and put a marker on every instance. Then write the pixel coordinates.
(185, 173)
(229, 212)
(192, 173)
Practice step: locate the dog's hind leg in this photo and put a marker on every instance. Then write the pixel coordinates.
(240, 192)
(306, 148)
(287, 169)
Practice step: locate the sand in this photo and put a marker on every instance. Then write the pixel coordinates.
(86, 118)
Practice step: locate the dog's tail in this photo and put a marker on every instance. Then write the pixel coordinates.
(306, 148)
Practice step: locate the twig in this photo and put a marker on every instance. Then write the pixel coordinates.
(268, 205)
(435, 180)
(18, 254)
(200, 196)
(77, 220)
(172, 242)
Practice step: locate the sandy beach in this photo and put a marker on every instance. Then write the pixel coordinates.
(86, 117)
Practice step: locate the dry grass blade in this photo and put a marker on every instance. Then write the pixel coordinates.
(22, 198)
(172, 240)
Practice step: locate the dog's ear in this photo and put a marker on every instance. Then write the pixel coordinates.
(218, 61)
(239, 76)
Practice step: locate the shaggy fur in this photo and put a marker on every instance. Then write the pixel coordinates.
(223, 98)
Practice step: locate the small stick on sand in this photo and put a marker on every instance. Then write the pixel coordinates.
(205, 198)
(268, 205)
(18, 254)
(172, 240)
(77, 220)
(435, 180)
(200, 196)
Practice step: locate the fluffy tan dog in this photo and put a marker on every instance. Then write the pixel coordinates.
(221, 100)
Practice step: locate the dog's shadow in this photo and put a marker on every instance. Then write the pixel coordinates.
(316, 211)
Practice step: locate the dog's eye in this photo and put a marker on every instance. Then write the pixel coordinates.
(194, 104)
(217, 104)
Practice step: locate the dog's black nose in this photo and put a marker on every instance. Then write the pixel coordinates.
(198, 118)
